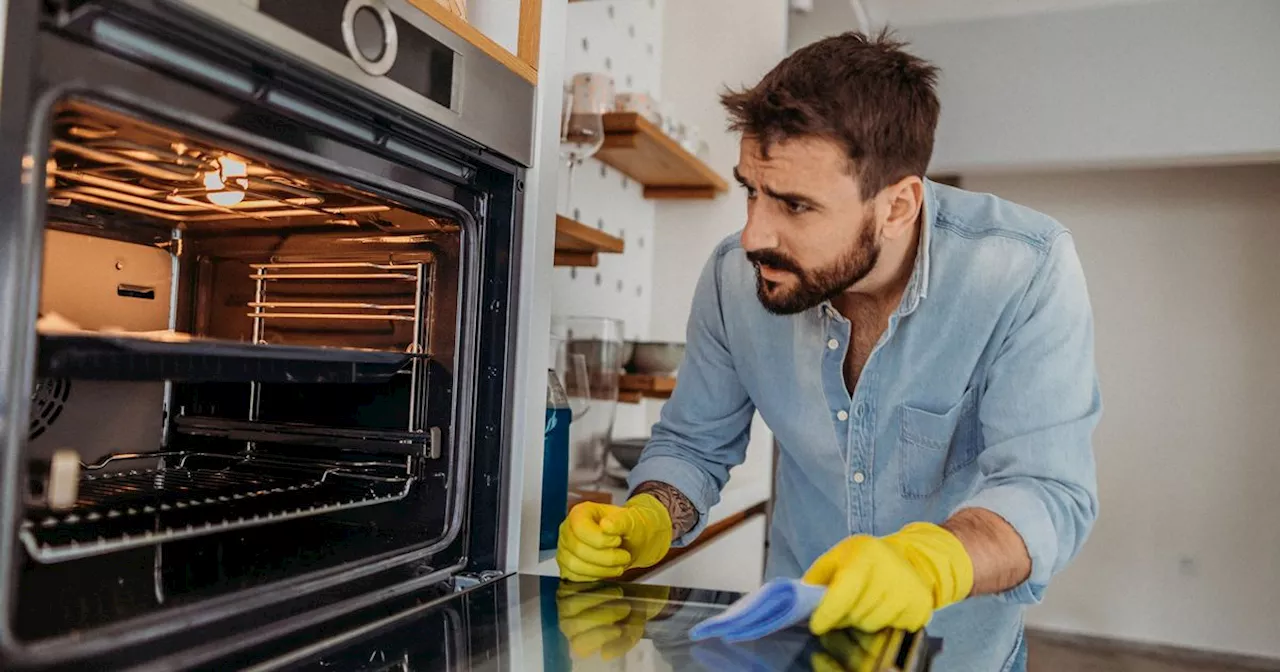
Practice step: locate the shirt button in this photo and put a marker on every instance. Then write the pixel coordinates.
(858, 477)
(843, 415)
(833, 344)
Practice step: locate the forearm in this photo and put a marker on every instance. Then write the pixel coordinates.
(1000, 558)
(684, 516)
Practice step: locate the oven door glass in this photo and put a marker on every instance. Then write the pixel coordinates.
(251, 393)
(528, 622)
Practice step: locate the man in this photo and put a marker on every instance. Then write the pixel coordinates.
(924, 356)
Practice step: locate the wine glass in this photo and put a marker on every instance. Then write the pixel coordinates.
(571, 369)
(586, 99)
(599, 341)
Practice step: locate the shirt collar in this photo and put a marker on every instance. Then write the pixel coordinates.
(918, 285)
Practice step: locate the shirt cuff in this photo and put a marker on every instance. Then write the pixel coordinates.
(684, 476)
(1027, 514)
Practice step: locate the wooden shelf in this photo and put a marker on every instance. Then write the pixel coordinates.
(633, 387)
(644, 153)
(525, 64)
(580, 245)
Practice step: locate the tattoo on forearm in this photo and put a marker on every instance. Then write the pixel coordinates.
(683, 514)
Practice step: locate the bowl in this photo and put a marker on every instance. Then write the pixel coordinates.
(627, 451)
(600, 354)
(657, 358)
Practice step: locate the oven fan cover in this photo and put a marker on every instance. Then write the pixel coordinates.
(47, 401)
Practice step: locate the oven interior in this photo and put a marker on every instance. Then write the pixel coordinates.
(245, 372)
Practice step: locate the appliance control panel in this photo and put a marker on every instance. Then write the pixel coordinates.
(394, 50)
(381, 43)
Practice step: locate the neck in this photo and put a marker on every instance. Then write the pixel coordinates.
(886, 282)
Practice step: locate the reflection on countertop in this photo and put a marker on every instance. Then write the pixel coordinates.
(540, 623)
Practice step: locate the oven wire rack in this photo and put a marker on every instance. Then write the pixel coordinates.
(201, 494)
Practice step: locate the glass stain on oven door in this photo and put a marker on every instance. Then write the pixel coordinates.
(238, 360)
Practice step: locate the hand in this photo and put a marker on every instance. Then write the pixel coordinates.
(896, 581)
(854, 651)
(608, 619)
(601, 541)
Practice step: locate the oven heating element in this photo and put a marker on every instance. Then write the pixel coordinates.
(101, 165)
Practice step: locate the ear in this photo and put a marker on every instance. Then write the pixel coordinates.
(901, 203)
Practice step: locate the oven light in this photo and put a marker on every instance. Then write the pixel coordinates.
(213, 181)
(225, 198)
(230, 171)
(232, 167)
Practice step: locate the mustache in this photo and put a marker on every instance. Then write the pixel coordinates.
(774, 259)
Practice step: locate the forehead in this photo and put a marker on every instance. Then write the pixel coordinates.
(810, 156)
(810, 167)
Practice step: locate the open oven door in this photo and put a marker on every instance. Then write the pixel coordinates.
(528, 622)
(99, 102)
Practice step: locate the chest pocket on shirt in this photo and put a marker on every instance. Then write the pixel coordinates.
(933, 446)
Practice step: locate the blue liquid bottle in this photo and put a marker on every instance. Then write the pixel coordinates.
(555, 463)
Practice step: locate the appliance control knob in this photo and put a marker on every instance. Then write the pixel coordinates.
(369, 31)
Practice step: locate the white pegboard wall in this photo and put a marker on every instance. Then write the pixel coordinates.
(621, 38)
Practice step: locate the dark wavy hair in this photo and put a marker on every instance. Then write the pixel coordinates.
(865, 93)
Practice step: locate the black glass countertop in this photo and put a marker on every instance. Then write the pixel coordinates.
(539, 623)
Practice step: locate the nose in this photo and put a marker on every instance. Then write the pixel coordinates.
(759, 233)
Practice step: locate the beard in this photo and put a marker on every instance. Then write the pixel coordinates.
(818, 285)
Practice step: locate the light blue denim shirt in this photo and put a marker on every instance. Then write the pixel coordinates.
(982, 392)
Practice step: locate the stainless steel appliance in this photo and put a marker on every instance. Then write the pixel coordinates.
(257, 262)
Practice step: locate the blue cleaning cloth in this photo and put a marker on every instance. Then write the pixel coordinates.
(777, 605)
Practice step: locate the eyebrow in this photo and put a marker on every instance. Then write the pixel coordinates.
(777, 195)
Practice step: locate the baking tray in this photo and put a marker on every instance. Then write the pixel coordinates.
(100, 356)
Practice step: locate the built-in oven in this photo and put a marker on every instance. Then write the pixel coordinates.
(257, 267)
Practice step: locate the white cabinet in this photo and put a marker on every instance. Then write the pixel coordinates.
(733, 561)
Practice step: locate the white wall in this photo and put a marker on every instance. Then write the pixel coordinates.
(827, 18)
(916, 12)
(750, 38)
(1142, 84)
(1181, 265)
(499, 20)
(622, 39)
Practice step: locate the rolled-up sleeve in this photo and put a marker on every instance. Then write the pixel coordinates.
(704, 428)
(1039, 408)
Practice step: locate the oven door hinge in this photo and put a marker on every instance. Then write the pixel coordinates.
(469, 580)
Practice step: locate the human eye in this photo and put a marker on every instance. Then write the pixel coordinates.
(796, 207)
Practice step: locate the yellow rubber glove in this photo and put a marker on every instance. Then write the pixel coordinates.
(896, 581)
(606, 619)
(601, 541)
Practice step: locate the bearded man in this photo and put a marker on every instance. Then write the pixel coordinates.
(922, 354)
